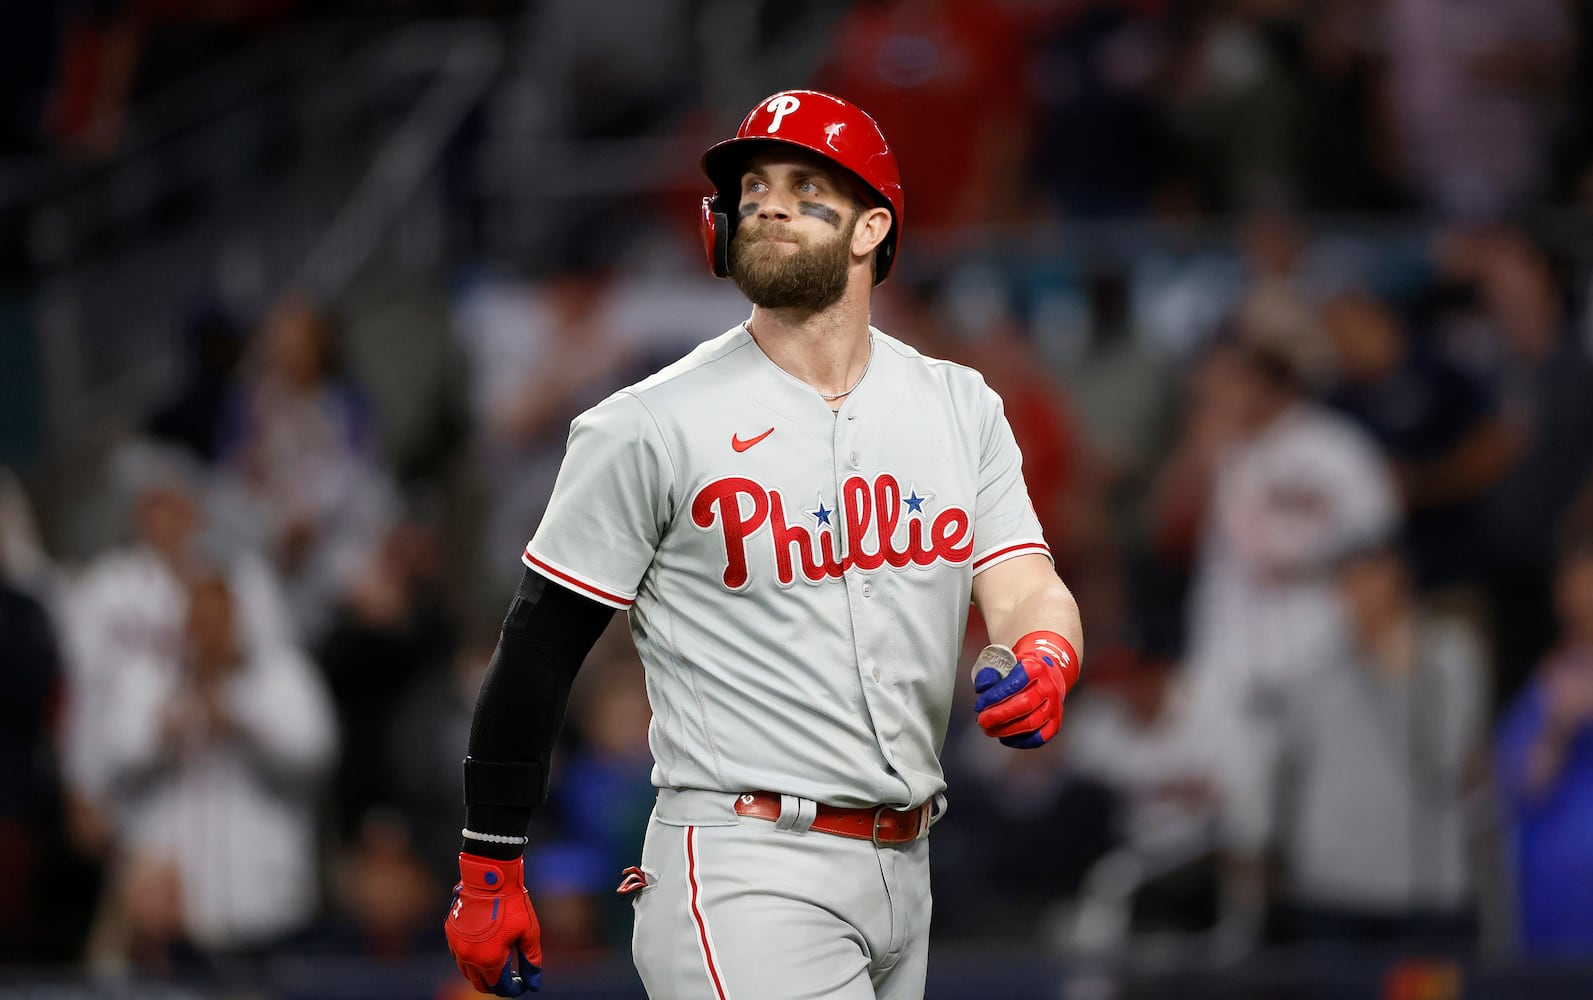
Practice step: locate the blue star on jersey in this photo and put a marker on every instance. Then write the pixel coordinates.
(821, 512)
(914, 500)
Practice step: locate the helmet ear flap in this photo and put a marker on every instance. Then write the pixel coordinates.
(716, 232)
(884, 256)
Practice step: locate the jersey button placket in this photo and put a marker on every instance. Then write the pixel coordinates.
(857, 589)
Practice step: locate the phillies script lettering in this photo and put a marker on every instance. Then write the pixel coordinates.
(871, 513)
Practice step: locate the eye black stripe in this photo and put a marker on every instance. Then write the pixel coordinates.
(818, 211)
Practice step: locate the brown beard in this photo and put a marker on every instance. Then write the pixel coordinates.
(810, 279)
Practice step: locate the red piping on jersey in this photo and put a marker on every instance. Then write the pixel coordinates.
(696, 912)
(1037, 546)
(572, 581)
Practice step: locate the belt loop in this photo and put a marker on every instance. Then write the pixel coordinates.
(796, 814)
(788, 813)
(807, 812)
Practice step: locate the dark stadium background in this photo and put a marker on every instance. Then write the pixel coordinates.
(309, 292)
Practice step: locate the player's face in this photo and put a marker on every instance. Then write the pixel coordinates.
(793, 245)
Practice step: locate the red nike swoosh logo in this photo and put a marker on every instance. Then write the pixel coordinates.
(740, 445)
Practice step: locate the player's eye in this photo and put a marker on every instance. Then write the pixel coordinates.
(808, 187)
(754, 187)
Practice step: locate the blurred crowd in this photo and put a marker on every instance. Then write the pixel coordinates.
(1326, 502)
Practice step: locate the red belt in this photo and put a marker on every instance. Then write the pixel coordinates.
(879, 824)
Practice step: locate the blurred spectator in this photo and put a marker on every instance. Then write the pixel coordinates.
(1471, 86)
(1291, 486)
(1134, 731)
(1381, 741)
(129, 605)
(1545, 768)
(391, 629)
(192, 416)
(305, 481)
(219, 748)
(1439, 427)
(1546, 396)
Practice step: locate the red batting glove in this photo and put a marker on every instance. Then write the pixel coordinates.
(1024, 709)
(490, 923)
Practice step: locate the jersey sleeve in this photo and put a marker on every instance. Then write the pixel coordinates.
(610, 504)
(1005, 524)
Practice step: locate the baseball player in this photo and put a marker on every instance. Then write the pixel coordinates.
(795, 516)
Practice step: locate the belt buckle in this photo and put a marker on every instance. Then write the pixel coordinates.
(874, 833)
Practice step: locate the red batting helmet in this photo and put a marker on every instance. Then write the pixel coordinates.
(821, 123)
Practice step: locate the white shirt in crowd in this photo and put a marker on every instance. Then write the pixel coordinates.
(129, 606)
(235, 814)
(1164, 770)
(1304, 491)
(1308, 488)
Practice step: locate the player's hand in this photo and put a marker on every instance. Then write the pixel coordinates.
(491, 924)
(1024, 708)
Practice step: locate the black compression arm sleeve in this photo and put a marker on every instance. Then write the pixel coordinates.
(548, 632)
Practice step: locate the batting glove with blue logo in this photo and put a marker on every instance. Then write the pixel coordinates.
(1024, 708)
(491, 924)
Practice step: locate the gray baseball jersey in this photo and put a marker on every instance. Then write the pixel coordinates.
(797, 579)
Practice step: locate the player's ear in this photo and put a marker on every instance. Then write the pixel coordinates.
(870, 230)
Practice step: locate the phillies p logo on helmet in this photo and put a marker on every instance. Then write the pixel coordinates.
(780, 107)
(834, 129)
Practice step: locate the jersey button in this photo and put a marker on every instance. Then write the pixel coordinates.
(876, 674)
(853, 460)
(868, 590)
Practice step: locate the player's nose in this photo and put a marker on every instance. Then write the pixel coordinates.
(775, 206)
